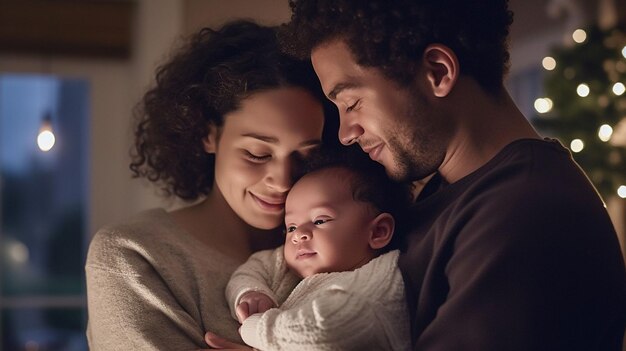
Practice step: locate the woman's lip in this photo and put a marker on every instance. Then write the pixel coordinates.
(273, 206)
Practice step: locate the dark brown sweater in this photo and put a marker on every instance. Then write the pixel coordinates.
(518, 255)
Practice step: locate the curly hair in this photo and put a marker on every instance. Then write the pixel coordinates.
(206, 79)
(392, 34)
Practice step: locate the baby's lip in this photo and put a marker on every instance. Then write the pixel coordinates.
(305, 253)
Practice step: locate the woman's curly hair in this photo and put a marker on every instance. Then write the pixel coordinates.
(392, 34)
(206, 79)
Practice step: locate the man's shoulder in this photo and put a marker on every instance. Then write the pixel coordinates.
(534, 174)
(532, 187)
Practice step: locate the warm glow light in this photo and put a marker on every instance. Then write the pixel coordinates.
(18, 252)
(605, 132)
(579, 35)
(45, 140)
(543, 105)
(577, 145)
(618, 88)
(549, 63)
(582, 90)
(624, 51)
(621, 191)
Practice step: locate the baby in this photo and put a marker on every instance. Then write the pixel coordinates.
(335, 279)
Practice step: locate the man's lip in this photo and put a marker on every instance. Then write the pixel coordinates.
(373, 151)
(269, 204)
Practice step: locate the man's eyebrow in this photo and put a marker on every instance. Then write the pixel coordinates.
(341, 87)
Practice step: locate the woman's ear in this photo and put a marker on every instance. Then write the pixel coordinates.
(441, 68)
(210, 141)
(381, 231)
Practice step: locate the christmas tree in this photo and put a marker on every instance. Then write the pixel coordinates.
(585, 104)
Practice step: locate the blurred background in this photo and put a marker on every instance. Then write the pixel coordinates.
(72, 70)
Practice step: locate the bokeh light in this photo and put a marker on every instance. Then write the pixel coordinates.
(577, 145)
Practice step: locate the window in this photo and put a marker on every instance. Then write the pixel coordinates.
(43, 212)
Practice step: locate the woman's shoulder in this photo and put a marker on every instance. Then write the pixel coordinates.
(144, 234)
(143, 226)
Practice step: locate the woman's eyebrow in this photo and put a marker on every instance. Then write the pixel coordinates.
(274, 140)
(265, 138)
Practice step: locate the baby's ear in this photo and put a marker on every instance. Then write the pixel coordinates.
(381, 231)
(209, 142)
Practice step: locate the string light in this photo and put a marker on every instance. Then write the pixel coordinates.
(543, 105)
(618, 88)
(621, 191)
(579, 36)
(46, 139)
(577, 145)
(582, 90)
(549, 63)
(605, 132)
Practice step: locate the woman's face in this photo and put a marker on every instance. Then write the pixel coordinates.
(257, 149)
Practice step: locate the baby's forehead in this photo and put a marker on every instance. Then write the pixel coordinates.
(336, 178)
(341, 174)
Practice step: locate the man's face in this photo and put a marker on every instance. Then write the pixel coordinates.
(397, 126)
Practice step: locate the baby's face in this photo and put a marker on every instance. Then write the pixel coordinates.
(326, 229)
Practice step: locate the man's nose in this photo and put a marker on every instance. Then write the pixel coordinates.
(349, 131)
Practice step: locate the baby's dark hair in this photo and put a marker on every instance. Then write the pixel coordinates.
(369, 183)
(206, 79)
(392, 34)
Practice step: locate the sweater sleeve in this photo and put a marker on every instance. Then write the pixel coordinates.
(131, 307)
(335, 320)
(265, 272)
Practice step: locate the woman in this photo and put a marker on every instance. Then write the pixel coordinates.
(229, 118)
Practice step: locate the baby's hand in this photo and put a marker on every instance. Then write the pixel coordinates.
(253, 302)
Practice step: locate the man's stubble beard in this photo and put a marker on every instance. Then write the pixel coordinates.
(418, 144)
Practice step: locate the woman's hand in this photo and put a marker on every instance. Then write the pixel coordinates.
(217, 342)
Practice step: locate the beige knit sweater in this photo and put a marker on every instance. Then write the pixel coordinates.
(152, 286)
(364, 309)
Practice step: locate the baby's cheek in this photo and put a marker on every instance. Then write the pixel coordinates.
(289, 254)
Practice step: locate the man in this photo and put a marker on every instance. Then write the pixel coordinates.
(512, 247)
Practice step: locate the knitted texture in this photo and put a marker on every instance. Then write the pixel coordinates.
(152, 286)
(364, 309)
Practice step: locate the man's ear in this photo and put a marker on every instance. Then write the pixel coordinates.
(381, 231)
(210, 141)
(442, 68)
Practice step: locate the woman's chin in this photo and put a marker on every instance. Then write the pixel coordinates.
(265, 222)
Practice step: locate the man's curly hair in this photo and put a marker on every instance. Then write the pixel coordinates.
(392, 34)
(206, 79)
